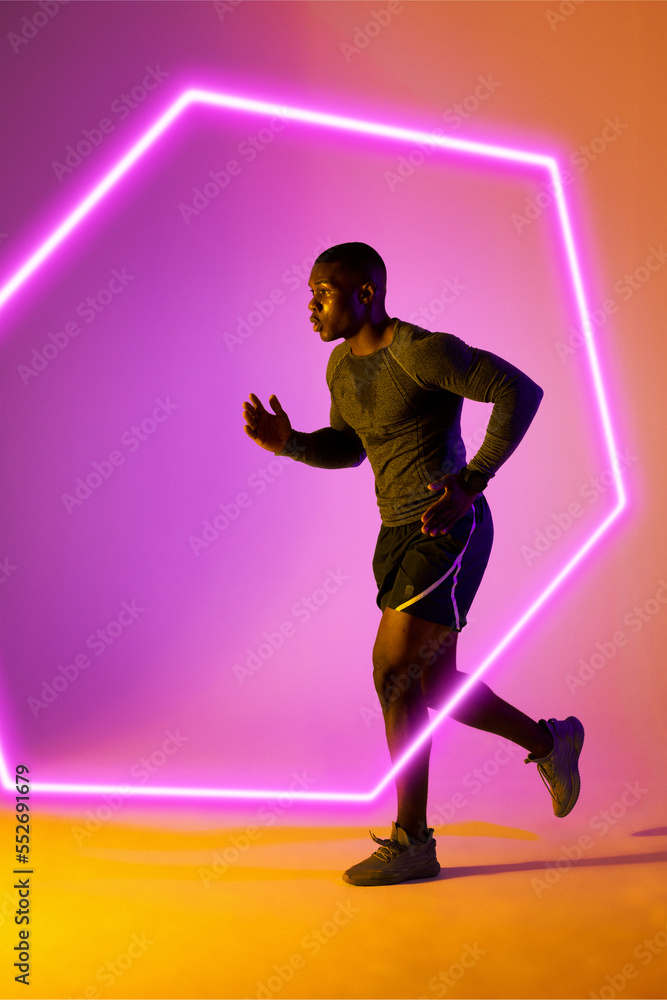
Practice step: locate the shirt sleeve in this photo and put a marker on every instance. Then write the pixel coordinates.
(334, 447)
(443, 361)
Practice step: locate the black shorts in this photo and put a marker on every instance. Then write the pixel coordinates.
(434, 578)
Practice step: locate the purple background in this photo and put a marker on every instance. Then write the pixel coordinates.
(168, 335)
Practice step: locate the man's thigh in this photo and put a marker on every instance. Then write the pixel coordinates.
(404, 639)
(412, 657)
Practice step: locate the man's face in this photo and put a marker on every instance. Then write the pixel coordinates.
(336, 309)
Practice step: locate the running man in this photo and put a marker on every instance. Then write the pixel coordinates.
(396, 395)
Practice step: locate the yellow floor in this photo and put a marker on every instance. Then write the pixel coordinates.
(136, 911)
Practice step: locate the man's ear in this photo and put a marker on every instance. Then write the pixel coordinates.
(368, 291)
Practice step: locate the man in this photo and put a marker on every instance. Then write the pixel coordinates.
(396, 395)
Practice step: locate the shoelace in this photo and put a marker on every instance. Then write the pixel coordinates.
(542, 770)
(545, 768)
(388, 850)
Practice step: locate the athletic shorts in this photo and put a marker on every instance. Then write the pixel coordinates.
(434, 578)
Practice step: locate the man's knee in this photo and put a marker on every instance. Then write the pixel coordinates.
(404, 653)
(394, 678)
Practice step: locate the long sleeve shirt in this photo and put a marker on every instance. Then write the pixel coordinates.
(401, 407)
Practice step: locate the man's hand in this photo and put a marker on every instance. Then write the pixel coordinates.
(451, 506)
(268, 431)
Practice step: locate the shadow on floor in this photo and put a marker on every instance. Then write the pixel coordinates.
(465, 871)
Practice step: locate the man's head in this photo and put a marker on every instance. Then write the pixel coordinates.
(349, 283)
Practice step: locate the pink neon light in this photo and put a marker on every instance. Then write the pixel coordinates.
(326, 120)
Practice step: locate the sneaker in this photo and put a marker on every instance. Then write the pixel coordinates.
(396, 860)
(558, 769)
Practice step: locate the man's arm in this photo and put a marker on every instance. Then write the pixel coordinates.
(446, 362)
(515, 398)
(334, 447)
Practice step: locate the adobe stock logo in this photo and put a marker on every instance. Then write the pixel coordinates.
(539, 166)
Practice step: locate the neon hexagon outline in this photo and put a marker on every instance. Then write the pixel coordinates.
(232, 102)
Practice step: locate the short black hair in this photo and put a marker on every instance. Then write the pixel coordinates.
(358, 257)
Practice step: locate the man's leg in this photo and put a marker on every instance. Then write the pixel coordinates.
(414, 668)
(397, 666)
(480, 707)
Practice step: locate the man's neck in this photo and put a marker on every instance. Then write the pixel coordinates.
(372, 338)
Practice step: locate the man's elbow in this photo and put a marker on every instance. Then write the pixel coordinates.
(529, 393)
(538, 394)
(357, 459)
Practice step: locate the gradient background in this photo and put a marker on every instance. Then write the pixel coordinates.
(172, 334)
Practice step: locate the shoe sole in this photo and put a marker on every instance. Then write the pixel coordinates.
(576, 742)
(430, 872)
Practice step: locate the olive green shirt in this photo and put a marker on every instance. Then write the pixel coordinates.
(401, 407)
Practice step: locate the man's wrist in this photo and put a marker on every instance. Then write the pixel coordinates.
(471, 482)
(293, 447)
(281, 449)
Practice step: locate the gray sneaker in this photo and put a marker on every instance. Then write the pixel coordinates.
(396, 860)
(559, 769)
